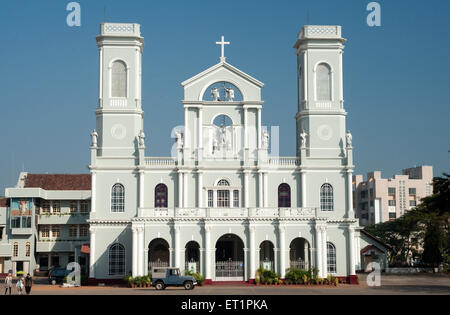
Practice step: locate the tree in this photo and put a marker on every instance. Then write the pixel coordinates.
(426, 226)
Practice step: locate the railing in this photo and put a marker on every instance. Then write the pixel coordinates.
(229, 269)
(301, 264)
(228, 212)
(160, 161)
(284, 161)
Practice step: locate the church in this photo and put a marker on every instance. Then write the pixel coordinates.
(221, 204)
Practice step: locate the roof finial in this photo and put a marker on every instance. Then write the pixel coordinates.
(223, 43)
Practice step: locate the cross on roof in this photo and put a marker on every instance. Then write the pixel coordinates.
(223, 43)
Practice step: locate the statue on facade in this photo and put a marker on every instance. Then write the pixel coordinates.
(141, 138)
(230, 94)
(215, 145)
(215, 94)
(303, 136)
(349, 139)
(265, 140)
(179, 139)
(223, 135)
(94, 137)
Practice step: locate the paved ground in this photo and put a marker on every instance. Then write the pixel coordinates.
(390, 285)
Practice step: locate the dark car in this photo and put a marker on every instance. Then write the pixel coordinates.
(163, 277)
(57, 274)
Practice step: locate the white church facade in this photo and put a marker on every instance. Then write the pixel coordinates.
(222, 205)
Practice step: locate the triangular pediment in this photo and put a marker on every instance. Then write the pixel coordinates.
(222, 72)
(227, 66)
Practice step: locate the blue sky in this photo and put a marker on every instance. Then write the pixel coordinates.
(396, 77)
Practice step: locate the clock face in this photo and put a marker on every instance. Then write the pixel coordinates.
(118, 131)
(324, 132)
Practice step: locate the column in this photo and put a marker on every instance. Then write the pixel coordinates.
(350, 213)
(185, 190)
(351, 245)
(303, 176)
(306, 251)
(140, 251)
(252, 253)
(259, 128)
(201, 267)
(260, 186)
(282, 236)
(93, 191)
(200, 189)
(208, 275)
(246, 190)
(134, 271)
(177, 245)
(245, 128)
(180, 189)
(92, 254)
(200, 133)
(141, 189)
(324, 252)
(266, 200)
(319, 251)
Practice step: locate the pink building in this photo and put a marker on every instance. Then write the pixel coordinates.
(379, 199)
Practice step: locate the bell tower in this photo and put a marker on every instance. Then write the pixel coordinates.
(321, 115)
(322, 138)
(119, 113)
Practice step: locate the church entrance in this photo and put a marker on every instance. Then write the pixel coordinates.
(267, 255)
(299, 254)
(192, 257)
(229, 258)
(158, 254)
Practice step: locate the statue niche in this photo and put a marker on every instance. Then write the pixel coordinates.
(222, 92)
(222, 137)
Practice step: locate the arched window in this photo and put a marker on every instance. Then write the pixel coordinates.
(331, 258)
(118, 198)
(326, 198)
(28, 249)
(161, 196)
(119, 79)
(223, 196)
(16, 249)
(323, 82)
(284, 196)
(117, 259)
(223, 182)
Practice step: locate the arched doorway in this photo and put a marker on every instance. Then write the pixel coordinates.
(158, 254)
(300, 254)
(267, 255)
(229, 258)
(192, 257)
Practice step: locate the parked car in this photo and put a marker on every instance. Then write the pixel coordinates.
(57, 274)
(163, 277)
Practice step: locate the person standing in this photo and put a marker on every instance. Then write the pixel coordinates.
(28, 283)
(20, 285)
(8, 283)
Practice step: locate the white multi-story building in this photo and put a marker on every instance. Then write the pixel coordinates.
(222, 204)
(43, 223)
(380, 199)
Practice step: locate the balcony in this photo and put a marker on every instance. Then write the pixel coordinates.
(243, 213)
(284, 161)
(62, 218)
(59, 245)
(5, 250)
(21, 231)
(160, 161)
